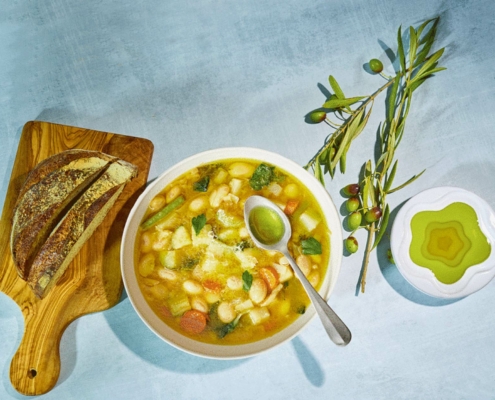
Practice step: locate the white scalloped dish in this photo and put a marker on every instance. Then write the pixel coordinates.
(475, 276)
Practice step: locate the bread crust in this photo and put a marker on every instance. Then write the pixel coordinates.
(77, 226)
(46, 194)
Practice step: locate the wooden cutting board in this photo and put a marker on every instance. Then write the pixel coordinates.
(93, 281)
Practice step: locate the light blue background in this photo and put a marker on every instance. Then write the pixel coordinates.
(196, 75)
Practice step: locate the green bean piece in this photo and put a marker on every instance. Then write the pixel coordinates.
(163, 213)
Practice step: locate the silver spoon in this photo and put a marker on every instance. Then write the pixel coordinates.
(335, 328)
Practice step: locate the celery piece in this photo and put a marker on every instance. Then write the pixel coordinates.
(168, 258)
(179, 305)
(163, 212)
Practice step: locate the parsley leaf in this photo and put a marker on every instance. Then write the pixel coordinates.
(262, 176)
(301, 309)
(202, 184)
(311, 246)
(198, 223)
(247, 280)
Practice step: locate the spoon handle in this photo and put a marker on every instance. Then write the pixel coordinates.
(335, 327)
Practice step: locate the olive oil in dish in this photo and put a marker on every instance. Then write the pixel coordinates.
(448, 241)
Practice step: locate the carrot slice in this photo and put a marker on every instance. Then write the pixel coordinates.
(270, 276)
(193, 321)
(165, 311)
(212, 285)
(291, 206)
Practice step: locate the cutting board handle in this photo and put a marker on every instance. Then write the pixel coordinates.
(35, 367)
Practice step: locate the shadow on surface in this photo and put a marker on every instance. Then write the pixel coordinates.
(11, 160)
(8, 313)
(136, 336)
(393, 276)
(309, 364)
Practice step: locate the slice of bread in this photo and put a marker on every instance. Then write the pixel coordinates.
(78, 224)
(47, 193)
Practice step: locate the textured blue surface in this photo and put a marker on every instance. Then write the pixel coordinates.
(196, 75)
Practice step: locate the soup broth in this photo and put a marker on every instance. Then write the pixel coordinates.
(198, 268)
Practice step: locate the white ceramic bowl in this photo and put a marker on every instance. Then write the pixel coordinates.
(475, 277)
(137, 213)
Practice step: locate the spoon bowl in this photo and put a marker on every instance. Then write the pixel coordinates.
(259, 226)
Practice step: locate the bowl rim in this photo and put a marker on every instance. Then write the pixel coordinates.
(136, 214)
(434, 199)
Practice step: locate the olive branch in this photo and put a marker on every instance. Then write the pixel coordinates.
(349, 118)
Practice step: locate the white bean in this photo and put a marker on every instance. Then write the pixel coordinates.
(157, 203)
(283, 260)
(167, 274)
(234, 282)
(275, 188)
(198, 204)
(241, 170)
(173, 193)
(258, 290)
(146, 264)
(146, 242)
(226, 312)
(200, 304)
(192, 287)
(304, 262)
(212, 297)
(314, 278)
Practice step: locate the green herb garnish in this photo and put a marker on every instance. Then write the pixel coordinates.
(301, 309)
(243, 244)
(311, 246)
(226, 329)
(189, 263)
(415, 67)
(262, 176)
(202, 184)
(247, 280)
(198, 223)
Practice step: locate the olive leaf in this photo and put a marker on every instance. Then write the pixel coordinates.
(392, 98)
(390, 177)
(337, 90)
(400, 50)
(426, 66)
(413, 43)
(409, 181)
(339, 103)
(383, 227)
(318, 172)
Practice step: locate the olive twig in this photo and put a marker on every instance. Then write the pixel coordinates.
(368, 197)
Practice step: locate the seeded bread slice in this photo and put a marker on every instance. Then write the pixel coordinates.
(77, 226)
(48, 191)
